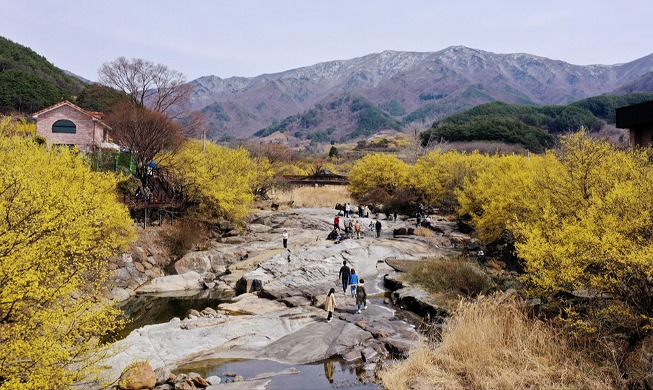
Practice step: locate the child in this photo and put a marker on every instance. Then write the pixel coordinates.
(361, 296)
(330, 303)
(353, 282)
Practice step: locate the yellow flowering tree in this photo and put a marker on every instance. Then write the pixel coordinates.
(501, 195)
(60, 223)
(593, 230)
(221, 180)
(437, 176)
(378, 171)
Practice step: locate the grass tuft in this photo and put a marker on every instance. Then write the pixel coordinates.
(327, 196)
(492, 344)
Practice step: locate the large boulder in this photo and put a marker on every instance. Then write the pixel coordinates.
(188, 281)
(137, 376)
(193, 261)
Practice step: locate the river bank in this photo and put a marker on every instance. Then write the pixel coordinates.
(277, 314)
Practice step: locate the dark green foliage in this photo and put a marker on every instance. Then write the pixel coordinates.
(97, 97)
(310, 118)
(605, 106)
(432, 96)
(394, 108)
(28, 82)
(370, 118)
(280, 127)
(23, 91)
(530, 126)
(333, 152)
(493, 128)
(318, 136)
(216, 111)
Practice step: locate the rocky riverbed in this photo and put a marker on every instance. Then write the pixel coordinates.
(277, 313)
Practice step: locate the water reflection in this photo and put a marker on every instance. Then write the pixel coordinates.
(328, 374)
(329, 370)
(148, 309)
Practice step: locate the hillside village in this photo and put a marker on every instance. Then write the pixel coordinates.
(500, 225)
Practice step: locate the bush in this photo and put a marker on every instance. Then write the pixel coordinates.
(184, 236)
(450, 277)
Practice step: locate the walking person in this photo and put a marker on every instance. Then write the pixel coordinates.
(347, 210)
(394, 215)
(361, 296)
(344, 274)
(285, 238)
(357, 229)
(377, 225)
(353, 282)
(330, 303)
(336, 222)
(419, 219)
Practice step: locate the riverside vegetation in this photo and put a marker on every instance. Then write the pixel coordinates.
(578, 218)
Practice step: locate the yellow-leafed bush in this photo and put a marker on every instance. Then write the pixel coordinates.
(60, 223)
(221, 179)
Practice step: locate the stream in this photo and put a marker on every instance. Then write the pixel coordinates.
(149, 309)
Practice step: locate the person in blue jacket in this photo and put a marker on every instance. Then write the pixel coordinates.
(353, 282)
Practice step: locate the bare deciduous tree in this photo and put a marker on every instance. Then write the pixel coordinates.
(148, 84)
(146, 133)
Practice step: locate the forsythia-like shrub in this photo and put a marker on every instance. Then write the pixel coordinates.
(438, 176)
(220, 179)
(378, 171)
(60, 223)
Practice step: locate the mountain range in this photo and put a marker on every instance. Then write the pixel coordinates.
(347, 99)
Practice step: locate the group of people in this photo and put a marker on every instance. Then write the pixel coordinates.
(146, 194)
(421, 221)
(349, 278)
(347, 210)
(353, 227)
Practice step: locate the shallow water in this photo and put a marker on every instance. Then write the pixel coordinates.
(149, 309)
(329, 374)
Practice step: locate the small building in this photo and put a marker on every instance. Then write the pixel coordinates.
(638, 119)
(66, 124)
(324, 177)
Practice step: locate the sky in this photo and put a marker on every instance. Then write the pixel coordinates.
(252, 37)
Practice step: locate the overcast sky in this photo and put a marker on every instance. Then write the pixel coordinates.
(249, 38)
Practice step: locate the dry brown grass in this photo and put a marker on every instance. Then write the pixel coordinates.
(492, 344)
(327, 196)
(424, 232)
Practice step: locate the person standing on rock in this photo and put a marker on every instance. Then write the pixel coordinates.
(336, 222)
(377, 225)
(353, 282)
(347, 210)
(330, 303)
(357, 229)
(285, 239)
(344, 276)
(361, 296)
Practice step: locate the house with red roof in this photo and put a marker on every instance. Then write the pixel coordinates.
(65, 124)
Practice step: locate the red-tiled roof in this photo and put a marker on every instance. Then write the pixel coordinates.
(93, 114)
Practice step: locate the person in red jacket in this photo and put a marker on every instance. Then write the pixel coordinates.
(336, 222)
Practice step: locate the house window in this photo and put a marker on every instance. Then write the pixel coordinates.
(64, 126)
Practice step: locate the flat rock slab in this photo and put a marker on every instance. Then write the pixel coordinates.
(251, 304)
(255, 384)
